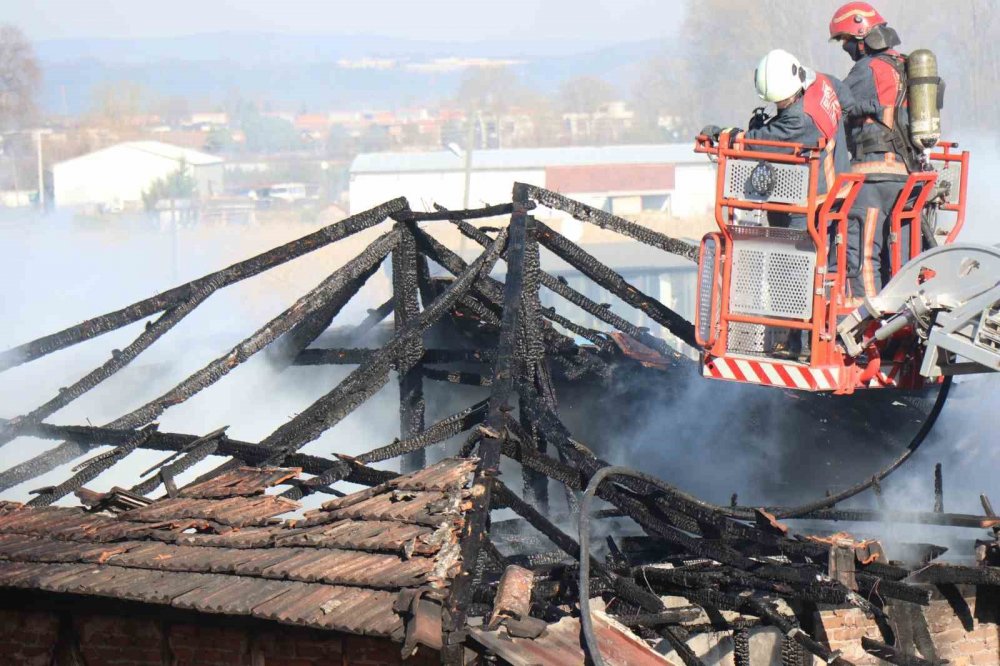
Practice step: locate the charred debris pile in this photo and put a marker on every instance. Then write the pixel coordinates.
(540, 566)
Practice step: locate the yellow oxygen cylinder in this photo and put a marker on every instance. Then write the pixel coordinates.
(922, 83)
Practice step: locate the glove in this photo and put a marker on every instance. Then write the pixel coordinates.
(758, 119)
(711, 131)
(734, 132)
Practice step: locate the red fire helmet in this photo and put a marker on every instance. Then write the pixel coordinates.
(855, 19)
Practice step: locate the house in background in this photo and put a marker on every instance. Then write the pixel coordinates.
(115, 177)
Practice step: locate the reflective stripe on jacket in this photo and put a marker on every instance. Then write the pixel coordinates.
(816, 114)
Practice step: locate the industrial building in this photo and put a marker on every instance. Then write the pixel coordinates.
(115, 177)
(624, 180)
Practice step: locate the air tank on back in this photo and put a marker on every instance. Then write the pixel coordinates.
(925, 112)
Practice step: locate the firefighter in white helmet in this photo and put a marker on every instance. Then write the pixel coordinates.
(810, 108)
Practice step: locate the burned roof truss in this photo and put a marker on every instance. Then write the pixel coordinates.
(731, 558)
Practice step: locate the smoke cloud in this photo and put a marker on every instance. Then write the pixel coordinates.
(57, 271)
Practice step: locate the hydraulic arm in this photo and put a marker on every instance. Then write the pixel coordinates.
(950, 298)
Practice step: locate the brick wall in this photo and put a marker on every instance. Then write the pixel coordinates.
(952, 640)
(27, 638)
(31, 638)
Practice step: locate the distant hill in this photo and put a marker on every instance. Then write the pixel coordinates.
(295, 72)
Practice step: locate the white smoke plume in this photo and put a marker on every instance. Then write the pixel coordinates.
(57, 271)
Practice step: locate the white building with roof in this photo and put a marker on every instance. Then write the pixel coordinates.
(620, 179)
(116, 176)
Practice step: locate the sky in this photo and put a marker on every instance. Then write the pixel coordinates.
(467, 20)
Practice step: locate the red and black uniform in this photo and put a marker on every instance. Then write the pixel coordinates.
(879, 118)
(878, 130)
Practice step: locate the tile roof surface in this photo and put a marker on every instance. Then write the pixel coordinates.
(219, 547)
(560, 644)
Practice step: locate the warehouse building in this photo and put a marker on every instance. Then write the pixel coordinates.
(625, 180)
(114, 178)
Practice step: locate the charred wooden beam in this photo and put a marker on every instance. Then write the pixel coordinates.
(938, 489)
(492, 289)
(741, 647)
(671, 616)
(672, 504)
(914, 517)
(892, 655)
(367, 379)
(870, 587)
(679, 580)
(253, 453)
(598, 338)
(42, 463)
(458, 377)
(357, 356)
(530, 355)
(436, 356)
(288, 348)
(91, 471)
(789, 627)
(405, 289)
(172, 297)
(588, 465)
(480, 309)
(471, 213)
(439, 432)
(210, 437)
(342, 279)
(606, 220)
(942, 574)
(791, 652)
(429, 290)
(504, 369)
(373, 319)
(543, 525)
(485, 298)
(616, 284)
(190, 458)
(119, 359)
(488, 292)
(560, 287)
(650, 520)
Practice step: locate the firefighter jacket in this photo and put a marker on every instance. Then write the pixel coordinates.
(816, 114)
(878, 121)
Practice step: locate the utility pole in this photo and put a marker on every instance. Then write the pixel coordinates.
(470, 139)
(41, 172)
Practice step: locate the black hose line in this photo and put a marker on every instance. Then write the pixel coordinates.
(784, 513)
(586, 621)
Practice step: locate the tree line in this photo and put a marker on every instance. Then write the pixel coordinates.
(707, 77)
(703, 75)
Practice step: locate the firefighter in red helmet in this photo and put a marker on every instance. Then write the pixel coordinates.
(878, 133)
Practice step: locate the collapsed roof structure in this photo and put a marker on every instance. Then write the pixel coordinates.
(415, 558)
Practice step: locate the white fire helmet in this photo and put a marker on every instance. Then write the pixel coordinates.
(778, 76)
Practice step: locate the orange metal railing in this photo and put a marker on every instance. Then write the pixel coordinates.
(820, 211)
